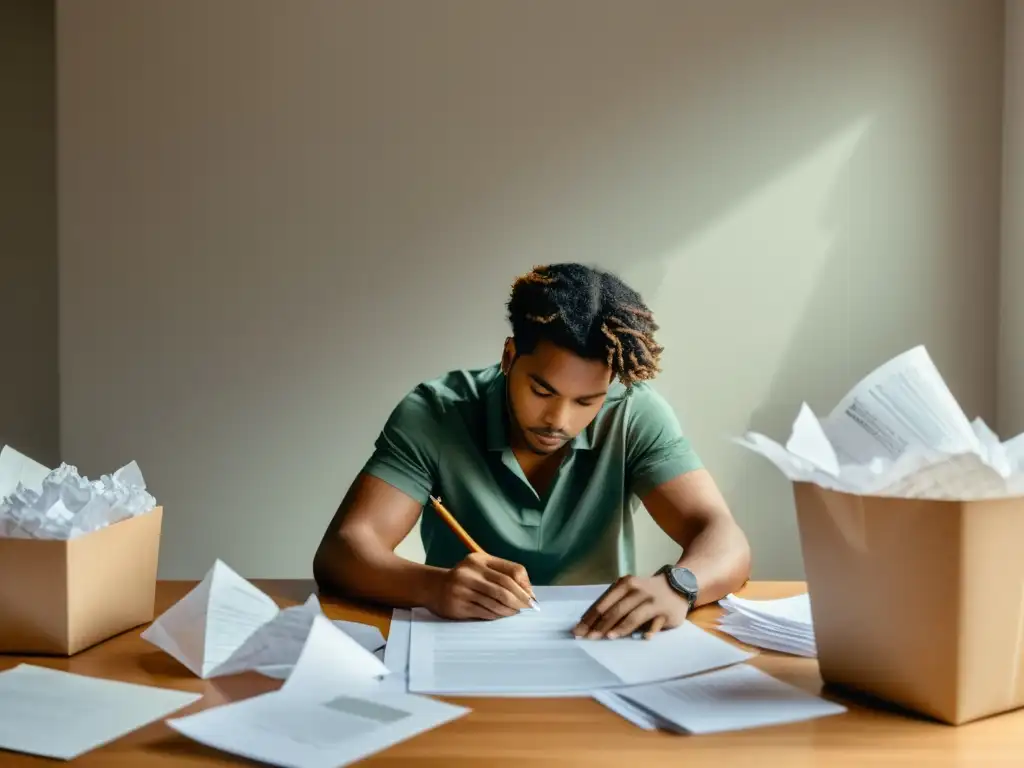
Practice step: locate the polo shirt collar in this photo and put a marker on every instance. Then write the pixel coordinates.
(497, 419)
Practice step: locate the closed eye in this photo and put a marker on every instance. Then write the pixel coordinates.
(540, 394)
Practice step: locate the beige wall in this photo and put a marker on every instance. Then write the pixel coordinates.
(1011, 344)
(28, 222)
(273, 224)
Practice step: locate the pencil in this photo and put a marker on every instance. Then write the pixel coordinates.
(464, 537)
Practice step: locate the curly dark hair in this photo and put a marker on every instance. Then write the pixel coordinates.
(590, 312)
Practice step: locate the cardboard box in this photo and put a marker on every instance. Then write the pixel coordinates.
(59, 597)
(917, 602)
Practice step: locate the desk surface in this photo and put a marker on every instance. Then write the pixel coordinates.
(502, 733)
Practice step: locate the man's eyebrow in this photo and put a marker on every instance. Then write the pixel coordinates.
(554, 391)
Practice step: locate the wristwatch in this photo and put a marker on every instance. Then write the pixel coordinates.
(682, 581)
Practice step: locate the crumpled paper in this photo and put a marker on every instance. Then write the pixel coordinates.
(62, 504)
(900, 433)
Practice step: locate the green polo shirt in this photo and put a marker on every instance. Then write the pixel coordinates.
(449, 437)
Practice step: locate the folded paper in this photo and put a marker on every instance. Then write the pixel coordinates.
(226, 625)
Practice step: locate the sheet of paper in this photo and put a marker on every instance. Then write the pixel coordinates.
(902, 404)
(330, 661)
(685, 650)
(16, 467)
(327, 714)
(536, 653)
(61, 715)
(735, 698)
(396, 652)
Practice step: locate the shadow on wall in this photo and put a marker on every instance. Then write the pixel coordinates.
(334, 209)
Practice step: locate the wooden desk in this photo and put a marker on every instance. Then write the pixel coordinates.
(507, 733)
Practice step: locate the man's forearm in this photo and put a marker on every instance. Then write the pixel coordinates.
(367, 571)
(719, 557)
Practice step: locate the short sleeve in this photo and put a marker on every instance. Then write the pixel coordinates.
(656, 449)
(405, 453)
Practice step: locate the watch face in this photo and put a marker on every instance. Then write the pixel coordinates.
(685, 579)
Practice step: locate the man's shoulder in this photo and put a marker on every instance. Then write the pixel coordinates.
(640, 400)
(458, 386)
(450, 391)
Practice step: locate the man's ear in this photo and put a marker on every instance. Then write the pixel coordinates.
(508, 355)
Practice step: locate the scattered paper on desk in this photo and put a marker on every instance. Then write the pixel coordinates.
(327, 714)
(782, 625)
(901, 433)
(735, 698)
(37, 503)
(61, 715)
(535, 653)
(226, 625)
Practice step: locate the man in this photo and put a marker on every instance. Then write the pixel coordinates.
(542, 459)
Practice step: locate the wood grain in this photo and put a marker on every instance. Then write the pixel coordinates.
(502, 733)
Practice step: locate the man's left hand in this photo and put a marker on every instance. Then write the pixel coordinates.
(631, 603)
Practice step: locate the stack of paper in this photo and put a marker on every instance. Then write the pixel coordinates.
(225, 626)
(777, 625)
(899, 433)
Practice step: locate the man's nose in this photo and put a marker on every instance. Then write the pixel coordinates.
(556, 418)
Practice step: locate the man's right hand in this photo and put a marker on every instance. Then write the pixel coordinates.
(482, 587)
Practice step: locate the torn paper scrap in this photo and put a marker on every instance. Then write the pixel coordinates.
(36, 502)
(901, 433)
